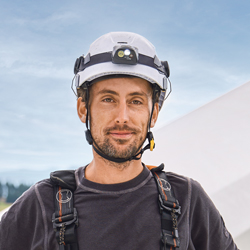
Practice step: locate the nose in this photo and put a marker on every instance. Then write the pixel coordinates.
(122, 113)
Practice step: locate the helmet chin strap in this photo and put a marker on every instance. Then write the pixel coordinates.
(138, 156)
(121, 160)
(150, 145)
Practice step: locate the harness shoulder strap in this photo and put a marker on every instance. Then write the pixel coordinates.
(65, 220)
(169, 209)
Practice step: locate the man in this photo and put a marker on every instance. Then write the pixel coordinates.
(118, 202)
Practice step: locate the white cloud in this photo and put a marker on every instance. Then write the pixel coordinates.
(51, 23)
(23, 62)
(43, 70)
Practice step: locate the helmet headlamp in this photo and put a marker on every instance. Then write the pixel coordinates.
(125, 55)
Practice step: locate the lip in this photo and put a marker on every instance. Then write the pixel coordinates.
(121, 134)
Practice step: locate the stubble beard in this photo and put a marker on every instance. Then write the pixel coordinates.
(109, 149)
(111, 146)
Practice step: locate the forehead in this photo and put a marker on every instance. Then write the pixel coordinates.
(122, 85)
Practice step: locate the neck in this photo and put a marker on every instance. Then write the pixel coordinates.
(103, 171)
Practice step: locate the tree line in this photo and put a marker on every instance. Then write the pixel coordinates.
(10, 192)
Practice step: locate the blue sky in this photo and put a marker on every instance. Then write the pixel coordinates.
(205, 42)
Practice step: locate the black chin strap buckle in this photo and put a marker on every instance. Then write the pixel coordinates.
(89, 137)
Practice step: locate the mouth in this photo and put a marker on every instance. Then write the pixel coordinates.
(121, 134)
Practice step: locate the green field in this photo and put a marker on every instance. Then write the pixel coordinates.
(4, 205)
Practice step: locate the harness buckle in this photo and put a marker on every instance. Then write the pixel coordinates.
(164, 205)
(170, 240)
(65, 220)
(174, 210)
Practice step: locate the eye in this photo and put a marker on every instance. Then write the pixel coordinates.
(107, 100)
(136, 102)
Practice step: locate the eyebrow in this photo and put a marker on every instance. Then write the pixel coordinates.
(138, 93)
(108, 91)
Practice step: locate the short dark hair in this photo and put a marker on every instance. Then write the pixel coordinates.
(81, 92)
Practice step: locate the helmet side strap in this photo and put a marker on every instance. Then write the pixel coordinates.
(88, 135)
(150, 136)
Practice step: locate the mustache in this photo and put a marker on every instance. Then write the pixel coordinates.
(121, 128)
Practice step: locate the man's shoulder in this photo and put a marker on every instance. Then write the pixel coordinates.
(181, 181)
(44, 184)
(178, 182)
(176, 177)
(185, 188)
(33, 196)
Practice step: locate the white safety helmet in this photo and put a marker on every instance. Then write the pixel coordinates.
(123, 53)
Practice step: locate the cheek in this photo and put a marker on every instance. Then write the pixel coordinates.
(98, 121)
(141, 119)
(96, 130)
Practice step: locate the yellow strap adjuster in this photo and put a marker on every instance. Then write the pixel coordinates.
(152, 144)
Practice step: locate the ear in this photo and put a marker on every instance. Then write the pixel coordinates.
(155, 115)
(81, 109)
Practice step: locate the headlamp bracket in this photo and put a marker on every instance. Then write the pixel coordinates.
(124, 54)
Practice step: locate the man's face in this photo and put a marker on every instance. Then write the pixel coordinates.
(119, 115)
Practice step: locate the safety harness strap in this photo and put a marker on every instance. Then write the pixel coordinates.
(169, 209)
(65, 219)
